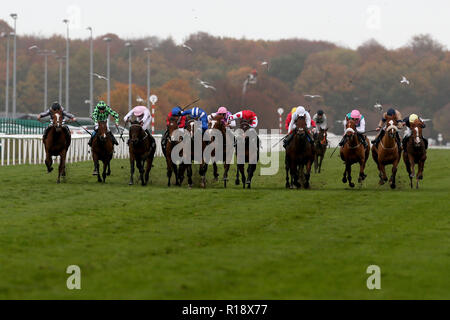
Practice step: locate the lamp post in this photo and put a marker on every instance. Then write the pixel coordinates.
(66, 21)
(14, 16)
(91, 76)
(60, 60)
(129, 46)
(44, 53)
(148, 50)
(7, 36)
(108, 80)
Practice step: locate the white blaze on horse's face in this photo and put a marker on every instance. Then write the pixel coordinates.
(349, 130)
(192, 128)
(417, 135)
(57, 119)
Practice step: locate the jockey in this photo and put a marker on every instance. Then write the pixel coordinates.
(288, 119)
(175, 112)
(299, 112)
(246, 115)
(226, 114)
(50, 112)
(101, 113)
(321, 120)
(198, 114)
(360, 126)
(143, 116)
(407, 121)
(382, 126)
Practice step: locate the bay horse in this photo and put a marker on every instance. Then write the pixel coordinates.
(217, 123)
(246, 140)
(142, 147)
(320, 146)
(57, 143)
(353, 151)
(300, 155)
(102, 150)
(171, 143)
(203, 168)
(387, 152)
(415, 152)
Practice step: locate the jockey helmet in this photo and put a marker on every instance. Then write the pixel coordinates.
(300, 110)
(101, 105)
(413, 118)
(139, 111)
(176, 111)
(56, 106)
(320, 113)
(222, 110)
(391, 112)
(293, 110)
(355, 114)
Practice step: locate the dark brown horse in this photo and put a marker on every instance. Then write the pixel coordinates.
(57, 143)
(353, 151)
(217, 123)
(415, 152)
(320, 145)
(247, 139)
(172, 167)
(203, 167)
(142, 148)
(387, 152)
(300, 155)
(102, 150)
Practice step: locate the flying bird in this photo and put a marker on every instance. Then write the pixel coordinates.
(312, 96)
(206, 85)
(265, 63)
(139, 99)
(378, 106)
(404, 80)
(99, 76)
(187, 47)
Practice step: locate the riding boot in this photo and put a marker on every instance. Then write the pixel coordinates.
(164, 142)
(113, 138)
(426, 143)
(288, 139)
(362, 140)
(45, 133)
(404, 142)
(399, 143)
(378, 138)
(92, 138)
(343, 140)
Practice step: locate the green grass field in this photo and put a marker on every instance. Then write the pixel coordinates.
(134, 242)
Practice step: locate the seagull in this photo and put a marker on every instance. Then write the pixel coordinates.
(203, 83)
(312, 96)
(265, 63)
(139, 99)
(404, 80)
(378, 106)
(187, 47)
(99, 76)
(207, 86)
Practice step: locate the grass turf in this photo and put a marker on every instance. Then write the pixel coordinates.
(135, 242)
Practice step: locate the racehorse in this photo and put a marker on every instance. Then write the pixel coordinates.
(320, 146)
(415, 152)
(353, 151)
(190, 127)
(300, 153)
(142, 148)
(102, 150)
(244, 125)
(57, 143)
(171, 143)
(217, 123)
(387, 152)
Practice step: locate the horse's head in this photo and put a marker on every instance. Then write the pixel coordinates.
(244, 125)
(102, 130)
(350, 128)
(300, 124)
(323, 136)
(57, 119)
(391, 126)
(190, 126)
(136, 132)
(217, 123)
(416, 129)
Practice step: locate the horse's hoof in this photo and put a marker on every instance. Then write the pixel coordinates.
(288, 185)
(344, 180)
(291, 187)
(420, 177)
(216, 179)
(236, 182)
(393, 186)
(49, 170)
(95, 173)
(381, 182)
(190, 186)
(351, 184)
(130, 183)
(307, 185)
(411, 176)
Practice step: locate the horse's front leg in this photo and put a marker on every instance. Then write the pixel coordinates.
(62, 161)
(294, 174)
(49, 162)
(241, 168)
(316, 163)
(320, 162)
(189, 175)
(105, 166)
(420, 172)
(215, 171)
(412, 165)
(308, 174)
(131, 169)
(226, 167)
(202, 171)
(394, 173)
(349, 175)
(250, 170)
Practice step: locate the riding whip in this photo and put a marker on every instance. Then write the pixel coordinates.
(190, 104)
(83, 128)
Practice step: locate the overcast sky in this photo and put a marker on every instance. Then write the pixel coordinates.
(346, 22)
